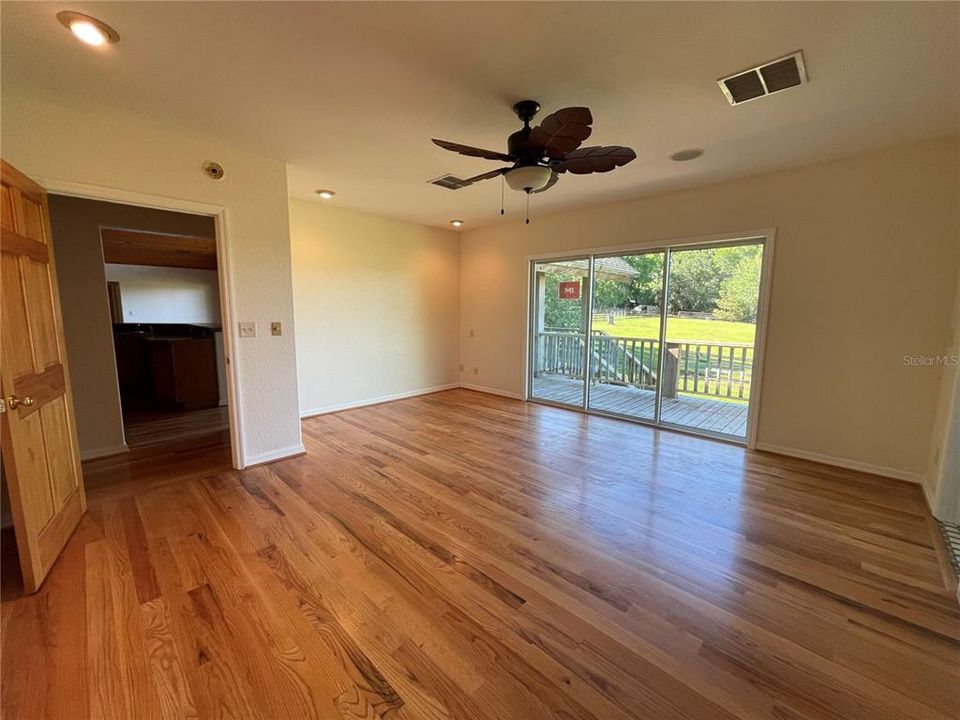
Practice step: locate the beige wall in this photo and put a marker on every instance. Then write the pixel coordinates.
(56, 143)
(867, 251)
(943, 479)
(87, 329)
(154, 294)
(377, 304)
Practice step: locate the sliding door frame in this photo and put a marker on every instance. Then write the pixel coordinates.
(531, 335)
(764, 236)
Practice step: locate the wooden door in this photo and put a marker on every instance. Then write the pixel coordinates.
(41, 459)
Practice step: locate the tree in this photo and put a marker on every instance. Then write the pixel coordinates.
(695, 280)
(558, 313)
(647, 286)
(643, 289)
(724, 281)
(738, 296)
(609, 294)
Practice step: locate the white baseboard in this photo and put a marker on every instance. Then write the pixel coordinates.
(313, 412)
(881, 470)
(492, 391)
(94, 453)
(273, 455)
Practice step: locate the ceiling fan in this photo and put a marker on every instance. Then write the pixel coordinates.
(540, 154)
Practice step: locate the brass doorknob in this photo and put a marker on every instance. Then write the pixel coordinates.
(13, 402)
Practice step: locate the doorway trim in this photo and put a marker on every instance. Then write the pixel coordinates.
(766, 235)
(221, 225)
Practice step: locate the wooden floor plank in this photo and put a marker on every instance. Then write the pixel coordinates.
(460, 555)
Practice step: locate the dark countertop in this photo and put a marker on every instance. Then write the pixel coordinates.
(167, 331)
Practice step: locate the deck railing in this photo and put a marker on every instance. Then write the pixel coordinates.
(624, 360)
(712, 369)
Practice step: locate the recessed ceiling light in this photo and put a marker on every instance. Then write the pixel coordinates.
(456, 223)
(326, 194)
(88, 29)
(688, 154)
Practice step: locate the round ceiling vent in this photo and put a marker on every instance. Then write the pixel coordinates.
(688, 154)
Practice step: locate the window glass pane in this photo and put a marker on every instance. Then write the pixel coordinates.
(710, 335)
(625, 334)
(559, 330)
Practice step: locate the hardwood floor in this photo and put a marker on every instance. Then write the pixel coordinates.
(156, 459)
(143, 428)
(460, 555)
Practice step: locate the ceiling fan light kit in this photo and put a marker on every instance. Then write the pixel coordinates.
(539, 155)
(528, 178)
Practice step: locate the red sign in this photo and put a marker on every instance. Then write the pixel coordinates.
(570, 290)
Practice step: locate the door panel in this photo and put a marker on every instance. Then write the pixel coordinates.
(17, 356)
(56, 423)
(41, 459)
(36, 288)
(6, 215)
(559, 332)
(625, 343)
(709, 338)
(33, 225)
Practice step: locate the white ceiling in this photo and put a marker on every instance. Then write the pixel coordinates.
(350, 94)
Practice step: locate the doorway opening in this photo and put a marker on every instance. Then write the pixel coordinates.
(665, 335)
(142, 317)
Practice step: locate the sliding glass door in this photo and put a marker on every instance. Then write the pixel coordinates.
(625, 333)
(662, 336)
(711, 318)
(559, 312)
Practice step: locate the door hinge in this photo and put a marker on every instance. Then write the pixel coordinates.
(3, 405)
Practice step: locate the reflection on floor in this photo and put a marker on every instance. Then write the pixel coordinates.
(145, 427)
(716, 416)
(162, 450)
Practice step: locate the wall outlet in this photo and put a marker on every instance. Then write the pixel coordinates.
(248, 329)
(275, 329)
(461, 367)
(476, 370)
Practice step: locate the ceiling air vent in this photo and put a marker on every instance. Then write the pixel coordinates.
(450, 182)
(766, 79)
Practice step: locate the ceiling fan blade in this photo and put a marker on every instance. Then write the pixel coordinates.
(554, 176)
(597, 159)
(472, 151)
(562, 131)
(484, 176)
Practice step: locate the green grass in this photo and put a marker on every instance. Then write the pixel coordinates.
(679, 329)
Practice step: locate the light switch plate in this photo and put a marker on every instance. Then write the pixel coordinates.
(248, 329)
(275, 329)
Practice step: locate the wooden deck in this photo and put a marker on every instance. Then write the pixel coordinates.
(718, 416)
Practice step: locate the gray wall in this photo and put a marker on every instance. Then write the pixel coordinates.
(75, 225)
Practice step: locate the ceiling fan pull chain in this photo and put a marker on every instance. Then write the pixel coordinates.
(528, 208)
(503, 182)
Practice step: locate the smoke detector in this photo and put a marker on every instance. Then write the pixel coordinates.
(766, 79)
